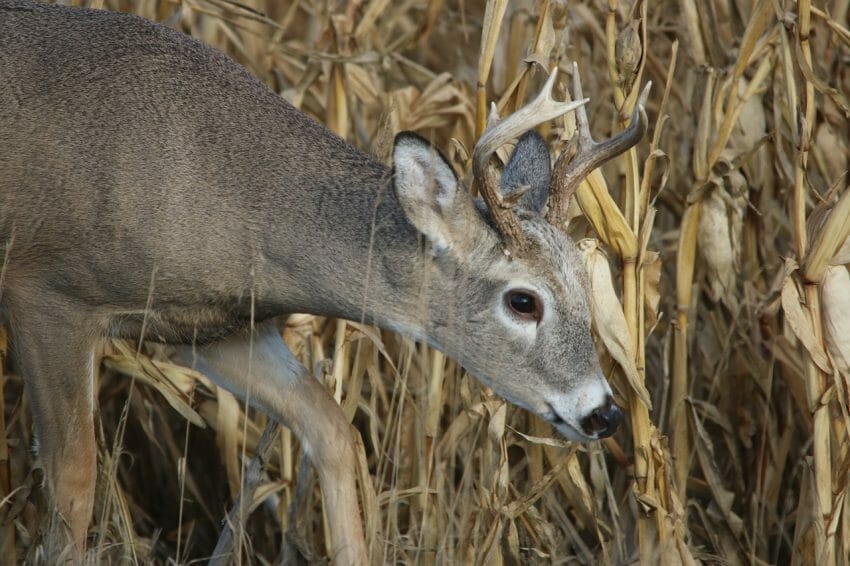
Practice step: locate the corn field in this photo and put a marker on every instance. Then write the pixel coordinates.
(717, 251)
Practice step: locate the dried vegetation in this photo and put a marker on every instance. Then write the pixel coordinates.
(718, 251)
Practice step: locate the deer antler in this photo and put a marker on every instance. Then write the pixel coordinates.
(583, 154)
(541, 109)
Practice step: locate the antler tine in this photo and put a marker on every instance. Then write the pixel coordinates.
(539, 110)
(499, 132)
(576, 162)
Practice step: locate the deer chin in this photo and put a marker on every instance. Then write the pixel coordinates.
(568, 431)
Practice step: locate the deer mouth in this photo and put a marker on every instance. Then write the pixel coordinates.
(602, 422)
(564, 427)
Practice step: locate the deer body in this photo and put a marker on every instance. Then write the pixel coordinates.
(151, 188)
(180, 128)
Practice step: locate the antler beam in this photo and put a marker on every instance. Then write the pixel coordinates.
(583, 155)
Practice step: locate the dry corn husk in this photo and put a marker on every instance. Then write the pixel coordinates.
(829, 240)
(605, 216)
(174, 382)
(751, 128)
(628, 52)
(715, 238)
(799, 320)
(842, 256)
(652, 288)
(835, 310)
(830, 148)
(608, 317)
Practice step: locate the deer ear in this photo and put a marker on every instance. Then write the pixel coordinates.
(427, 189)
(529, 166)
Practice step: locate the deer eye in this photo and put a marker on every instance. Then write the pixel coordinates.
(525, 304)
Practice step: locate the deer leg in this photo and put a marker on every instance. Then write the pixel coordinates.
(261, 368)
(54, 355)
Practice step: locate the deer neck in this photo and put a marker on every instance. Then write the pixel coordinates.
(356, 257)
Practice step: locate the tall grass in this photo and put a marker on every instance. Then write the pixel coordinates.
(718, 251)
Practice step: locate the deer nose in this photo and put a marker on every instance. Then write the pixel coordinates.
(603, 421)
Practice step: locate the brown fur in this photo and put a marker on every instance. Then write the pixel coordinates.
(150, 182)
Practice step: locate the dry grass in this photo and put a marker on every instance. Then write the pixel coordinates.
(715, 239)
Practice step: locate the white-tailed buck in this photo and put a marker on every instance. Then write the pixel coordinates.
(150, 188)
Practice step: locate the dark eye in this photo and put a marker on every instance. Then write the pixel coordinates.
(525, 304)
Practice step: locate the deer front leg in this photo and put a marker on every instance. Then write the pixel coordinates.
(275, 382)
(54, 355)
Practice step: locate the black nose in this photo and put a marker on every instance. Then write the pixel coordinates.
(603, 421)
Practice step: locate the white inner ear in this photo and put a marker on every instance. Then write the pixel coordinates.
(426, 187)
(426, 169)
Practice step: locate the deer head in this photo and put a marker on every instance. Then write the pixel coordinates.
(506, 293)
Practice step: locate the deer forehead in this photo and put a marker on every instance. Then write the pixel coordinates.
(554, 259)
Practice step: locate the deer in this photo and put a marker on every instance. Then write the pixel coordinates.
(152, 189)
